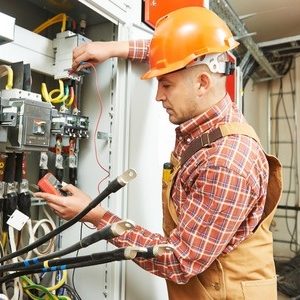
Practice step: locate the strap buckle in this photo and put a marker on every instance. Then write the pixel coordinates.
(205, 139)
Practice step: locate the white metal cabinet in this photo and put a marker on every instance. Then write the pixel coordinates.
(113, 10)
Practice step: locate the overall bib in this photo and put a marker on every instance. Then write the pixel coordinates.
(248, 272)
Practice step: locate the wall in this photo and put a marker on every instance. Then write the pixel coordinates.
(266, 109)
(256, 109)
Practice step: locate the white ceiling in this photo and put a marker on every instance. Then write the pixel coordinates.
(274, 19)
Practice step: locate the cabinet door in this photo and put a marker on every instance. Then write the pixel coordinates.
(114, 10)
(150, 142)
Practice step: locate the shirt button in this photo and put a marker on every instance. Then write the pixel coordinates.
(188, 140)
(180, 138)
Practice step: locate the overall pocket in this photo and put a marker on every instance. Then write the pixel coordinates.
(260, 289)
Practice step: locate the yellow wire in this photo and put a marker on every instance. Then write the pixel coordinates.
(61, 93)
(51, 288)
(47, 96)
(56, 19)
(53, 92)
(63, 99)
(7, 70)
(45, 93)
(60, 283)
(4, 238)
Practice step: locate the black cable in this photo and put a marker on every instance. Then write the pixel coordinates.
(24, 197)
(3, 158)
(18, 165)
(24, 203)
(105, 233)
(72, 262)
(71, 291)
(10, 200)
(295, 229)
(74, 270)
(84, 261)
(112, 187)
(281, 100)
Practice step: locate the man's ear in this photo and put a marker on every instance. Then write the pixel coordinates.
(203, 82)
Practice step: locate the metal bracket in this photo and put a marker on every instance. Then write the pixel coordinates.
(103, 136)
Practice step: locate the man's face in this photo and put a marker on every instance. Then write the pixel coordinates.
(177, 92)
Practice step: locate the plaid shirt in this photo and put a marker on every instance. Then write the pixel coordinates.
(139, 50)
(219, 195)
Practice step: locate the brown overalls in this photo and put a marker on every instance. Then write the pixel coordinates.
(248, 272)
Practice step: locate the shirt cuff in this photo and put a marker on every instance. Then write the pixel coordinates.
(107, 219)
(139, 50)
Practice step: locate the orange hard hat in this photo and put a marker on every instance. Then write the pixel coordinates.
(183, 35)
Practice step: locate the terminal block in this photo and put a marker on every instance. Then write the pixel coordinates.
(70, 125)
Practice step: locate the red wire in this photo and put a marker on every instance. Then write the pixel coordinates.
(96, 128)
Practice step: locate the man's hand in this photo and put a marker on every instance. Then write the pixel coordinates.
(98, 52)
(68, 207)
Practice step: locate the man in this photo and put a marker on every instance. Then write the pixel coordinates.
(216, 203)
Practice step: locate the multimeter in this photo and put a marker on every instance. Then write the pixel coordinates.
(50, 184)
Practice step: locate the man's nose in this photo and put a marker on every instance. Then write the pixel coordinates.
(159, 95)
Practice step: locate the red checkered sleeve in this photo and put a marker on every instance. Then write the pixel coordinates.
(139, 50)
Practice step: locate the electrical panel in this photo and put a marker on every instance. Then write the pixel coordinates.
(40, 130)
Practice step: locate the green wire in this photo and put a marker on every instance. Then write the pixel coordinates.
(32, 286)
(38, 288)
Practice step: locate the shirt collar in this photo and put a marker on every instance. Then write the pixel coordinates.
(197, 125)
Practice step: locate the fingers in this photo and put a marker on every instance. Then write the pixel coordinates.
(48, 197)
(71, 189)
(53, 201)
(80, 54)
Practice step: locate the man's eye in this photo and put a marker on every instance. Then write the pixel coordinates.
(166, 86)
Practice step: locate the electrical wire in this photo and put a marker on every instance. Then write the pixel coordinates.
(78, 262)
(112, 187)
(1, 250)
(295, 233)
(48, 95)
(17, 289)
(89, 65)
(29, 284)
(281, 101)
(107, 233)
(72, 96)
(72, 292)
(95, 149)
(77, 253)
(56, 19)
(7, 71)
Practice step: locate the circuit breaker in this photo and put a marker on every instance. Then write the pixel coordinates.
(63, 45)
(26, 120)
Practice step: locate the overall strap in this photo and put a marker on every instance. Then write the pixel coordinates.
(206, 139)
